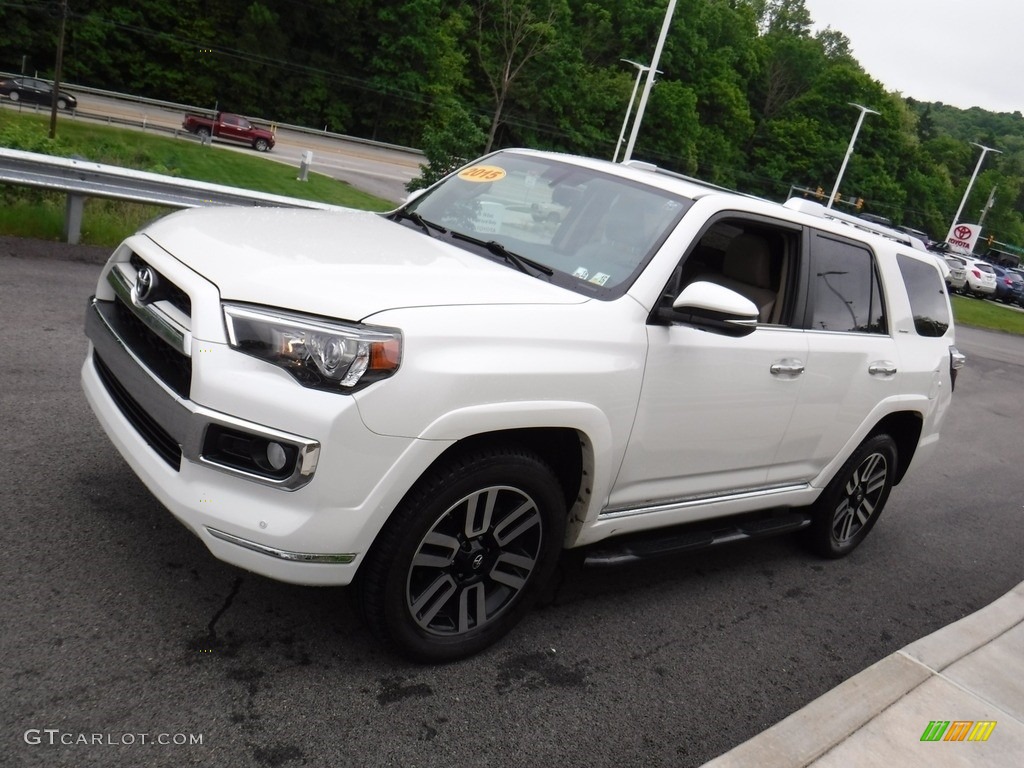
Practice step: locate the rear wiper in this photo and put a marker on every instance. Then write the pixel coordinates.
(523, 264)
(415, 218)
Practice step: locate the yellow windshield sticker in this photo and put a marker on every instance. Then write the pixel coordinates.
(482, 173)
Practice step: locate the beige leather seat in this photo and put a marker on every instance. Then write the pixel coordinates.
(747, 269)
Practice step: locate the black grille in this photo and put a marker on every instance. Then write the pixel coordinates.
(157, 437)
(168, 290)
(169, 365)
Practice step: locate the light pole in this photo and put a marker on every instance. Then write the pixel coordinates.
(984, 151)
(640, 69)
(650, 80)
(849, 149)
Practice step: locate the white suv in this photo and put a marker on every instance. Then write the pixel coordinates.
(434, 403)
(981, 278)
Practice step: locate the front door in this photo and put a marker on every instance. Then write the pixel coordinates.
(713, 411)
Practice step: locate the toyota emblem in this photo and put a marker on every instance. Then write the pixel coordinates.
(963, 232)
(145, 284)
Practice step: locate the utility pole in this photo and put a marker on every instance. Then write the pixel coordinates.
(57, 68)
(988, 205)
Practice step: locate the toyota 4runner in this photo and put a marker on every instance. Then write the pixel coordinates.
(432, 404)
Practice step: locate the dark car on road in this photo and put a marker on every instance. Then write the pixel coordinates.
(34, 91)
(1009, 285)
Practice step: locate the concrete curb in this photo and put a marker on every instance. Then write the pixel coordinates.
(950, 644)
(808, 734)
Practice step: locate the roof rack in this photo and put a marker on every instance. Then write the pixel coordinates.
(812, 208)
(652, 168)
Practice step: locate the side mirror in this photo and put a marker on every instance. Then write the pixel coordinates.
(713, 308)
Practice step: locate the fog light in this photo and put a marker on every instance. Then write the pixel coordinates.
(276, 456)
(251, 453)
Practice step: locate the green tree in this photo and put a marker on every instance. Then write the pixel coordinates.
(509, 35)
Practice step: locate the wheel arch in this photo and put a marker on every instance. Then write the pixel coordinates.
(904, 427)
(564, 449)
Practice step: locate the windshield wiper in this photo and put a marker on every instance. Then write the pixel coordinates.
(522, 263)
(415, 218)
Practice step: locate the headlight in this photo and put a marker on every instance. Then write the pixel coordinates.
(321, 354)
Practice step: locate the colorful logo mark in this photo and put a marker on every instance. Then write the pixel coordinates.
(958, 730)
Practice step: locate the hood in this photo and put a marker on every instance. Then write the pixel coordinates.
(344, 263)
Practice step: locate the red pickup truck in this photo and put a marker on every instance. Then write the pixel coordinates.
(228, 126)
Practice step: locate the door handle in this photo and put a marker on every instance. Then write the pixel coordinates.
(882, 368)
(788, 366)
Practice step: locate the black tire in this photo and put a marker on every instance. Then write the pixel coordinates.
(203, 134)
(261, 145)
(14, 96)
(62, 103)
(464, 556)
(849, 506)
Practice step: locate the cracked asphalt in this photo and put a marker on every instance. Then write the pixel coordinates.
(124, 643)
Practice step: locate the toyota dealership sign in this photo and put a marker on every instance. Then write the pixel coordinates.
(962, 237)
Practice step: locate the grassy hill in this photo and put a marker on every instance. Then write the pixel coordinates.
(33, 213)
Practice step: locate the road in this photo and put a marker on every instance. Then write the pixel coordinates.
(120, 629)
(375, 168)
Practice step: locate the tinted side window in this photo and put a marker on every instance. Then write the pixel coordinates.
(927, 296)
(844, 292)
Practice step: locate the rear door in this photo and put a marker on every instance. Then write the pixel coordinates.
(853, 361)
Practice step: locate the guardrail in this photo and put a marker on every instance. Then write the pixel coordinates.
(81, 179)
(186, 108)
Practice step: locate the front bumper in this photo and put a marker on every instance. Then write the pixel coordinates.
(288, 528)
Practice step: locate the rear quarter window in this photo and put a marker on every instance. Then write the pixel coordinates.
(927, 296)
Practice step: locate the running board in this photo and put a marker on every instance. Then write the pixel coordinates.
(630, 549)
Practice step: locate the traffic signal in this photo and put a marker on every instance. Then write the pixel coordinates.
(819, 193)
(860, 203)
(838, 198)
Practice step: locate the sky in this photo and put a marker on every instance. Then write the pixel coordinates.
(965, 53)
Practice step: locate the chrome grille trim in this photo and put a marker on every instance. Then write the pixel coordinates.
(159, 322)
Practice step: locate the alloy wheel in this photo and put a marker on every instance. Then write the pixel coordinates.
(474, 561)
(859, 499)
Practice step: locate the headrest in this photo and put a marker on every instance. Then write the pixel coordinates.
(748, 260)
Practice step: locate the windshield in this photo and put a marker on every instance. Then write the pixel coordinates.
(593, 231)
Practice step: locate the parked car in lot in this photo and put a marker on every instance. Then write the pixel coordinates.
(981, 278)
(957, 277)
(1020, 272)
(34, 91)
(921, 235)
(431, 404)
(1009, 285)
